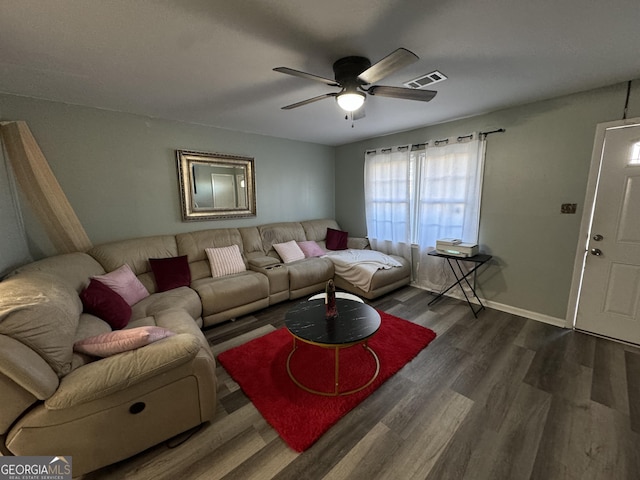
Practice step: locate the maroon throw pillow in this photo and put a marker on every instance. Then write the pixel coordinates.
(336, 239)
(170, 273)
(101, 301)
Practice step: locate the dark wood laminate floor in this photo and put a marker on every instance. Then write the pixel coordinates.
(497, 397)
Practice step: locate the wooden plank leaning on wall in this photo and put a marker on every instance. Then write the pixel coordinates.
(42, 190)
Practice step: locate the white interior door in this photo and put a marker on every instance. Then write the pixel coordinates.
(609, 296)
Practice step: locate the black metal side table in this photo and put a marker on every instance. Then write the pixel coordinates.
(479, 260)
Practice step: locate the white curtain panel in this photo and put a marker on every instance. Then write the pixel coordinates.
(450, 180)
(449, 195)
(389, 187)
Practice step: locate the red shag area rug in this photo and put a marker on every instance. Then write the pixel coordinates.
(300, 417)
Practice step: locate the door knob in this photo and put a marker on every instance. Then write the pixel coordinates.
(596, 251)
(597, 237)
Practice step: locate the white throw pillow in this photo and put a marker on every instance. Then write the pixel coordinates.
(225, 260)
(289, 251)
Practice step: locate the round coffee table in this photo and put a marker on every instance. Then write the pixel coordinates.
(355, 324)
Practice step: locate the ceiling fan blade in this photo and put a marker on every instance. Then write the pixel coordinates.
(400, 92)
(394, 61)
(308, 76)
(308, 101)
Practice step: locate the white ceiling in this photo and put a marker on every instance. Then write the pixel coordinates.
(210, 61)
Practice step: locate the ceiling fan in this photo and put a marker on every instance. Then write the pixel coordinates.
(355, 76)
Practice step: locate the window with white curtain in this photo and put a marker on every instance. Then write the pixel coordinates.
(389, 186)
(449, 192)
(416, 195)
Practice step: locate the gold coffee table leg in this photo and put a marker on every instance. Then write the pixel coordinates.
(336, 381)
(336, 391)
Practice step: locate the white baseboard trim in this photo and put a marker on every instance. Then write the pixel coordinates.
(521, 312)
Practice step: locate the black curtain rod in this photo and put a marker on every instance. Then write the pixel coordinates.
(499, 130)
(437, 142)
(626, 102)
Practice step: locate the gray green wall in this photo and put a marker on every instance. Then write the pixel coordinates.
(540, 162)
(120, 175)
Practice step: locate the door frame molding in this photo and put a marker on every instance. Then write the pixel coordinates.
(587, 214)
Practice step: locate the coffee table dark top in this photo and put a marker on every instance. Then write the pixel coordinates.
(355, 322)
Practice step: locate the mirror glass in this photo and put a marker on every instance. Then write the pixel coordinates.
(214, 185)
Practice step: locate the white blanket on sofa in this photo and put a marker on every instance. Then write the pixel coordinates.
(358, 266)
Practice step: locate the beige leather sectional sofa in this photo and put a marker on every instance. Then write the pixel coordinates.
(56, 401)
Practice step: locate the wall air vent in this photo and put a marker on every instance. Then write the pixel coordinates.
(426, 80)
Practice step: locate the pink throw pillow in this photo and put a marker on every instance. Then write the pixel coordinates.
(225, 260)
(101, 301)
(170, 273)
(107, 344)
(289, 251)
(311, 249)
(125, 283)
(336, 239)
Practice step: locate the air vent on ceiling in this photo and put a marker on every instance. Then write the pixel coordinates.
(425, 80)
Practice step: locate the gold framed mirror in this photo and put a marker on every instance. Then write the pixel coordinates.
(215, 186)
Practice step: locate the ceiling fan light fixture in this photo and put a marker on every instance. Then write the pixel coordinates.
(350, 101)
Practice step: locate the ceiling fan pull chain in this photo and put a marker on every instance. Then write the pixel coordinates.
(346, 117)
